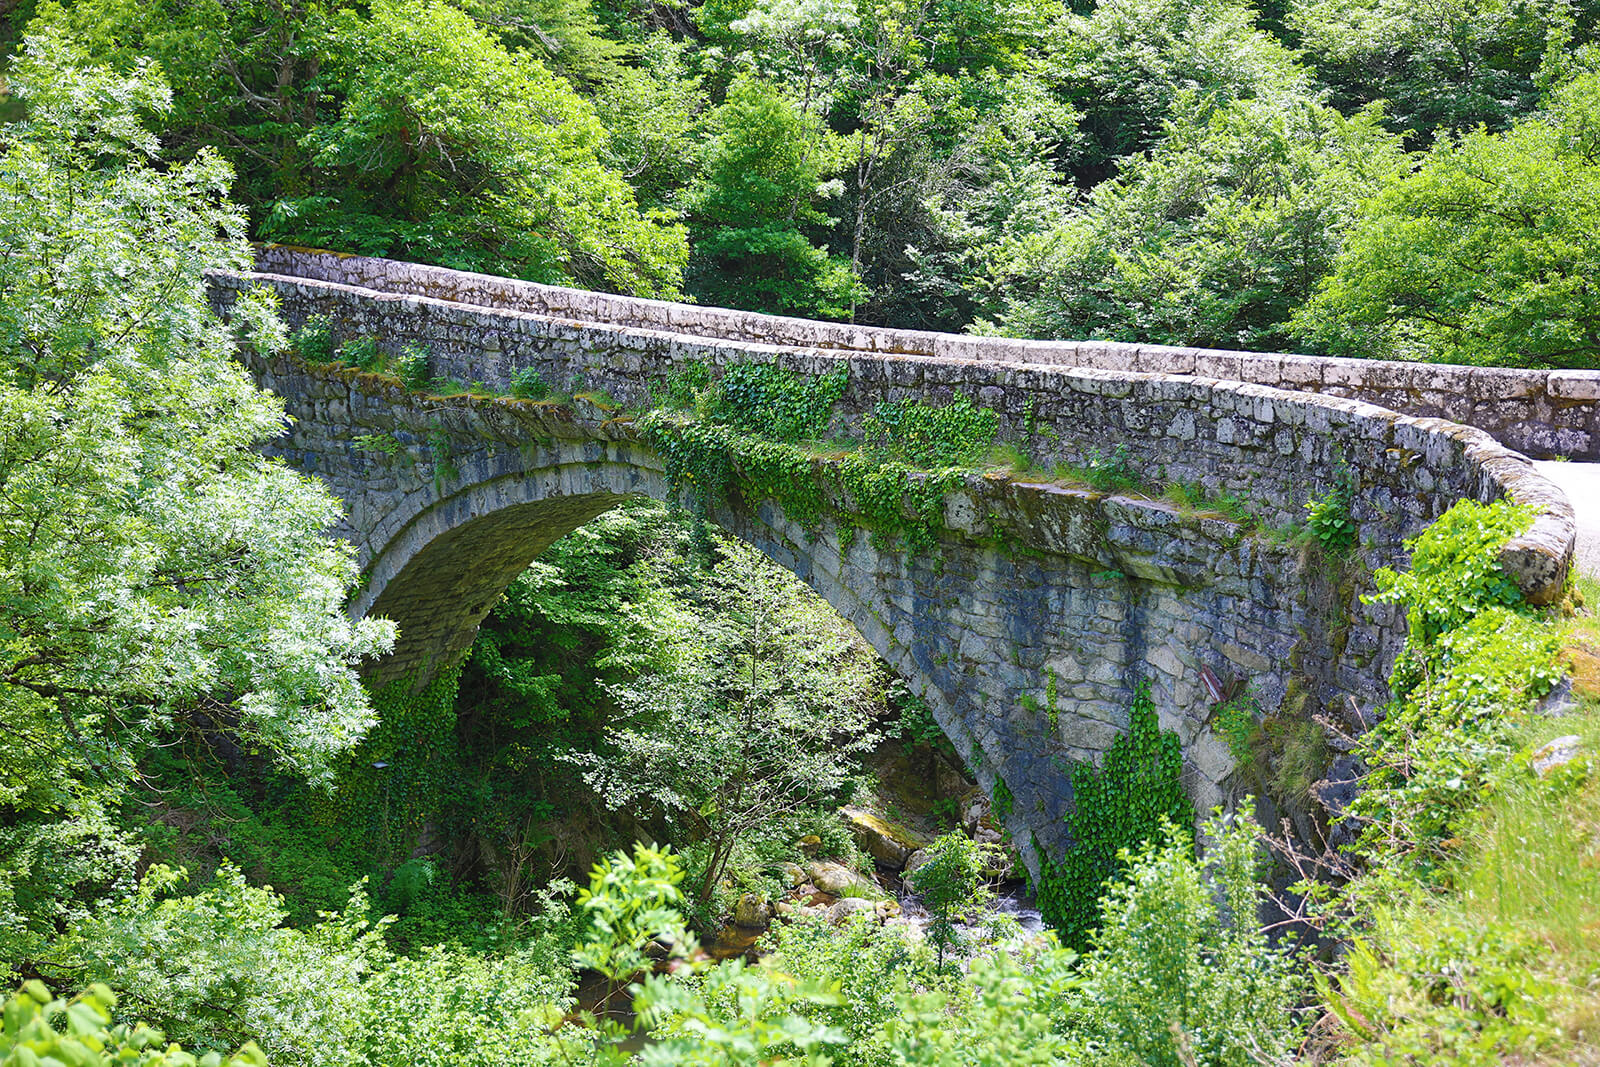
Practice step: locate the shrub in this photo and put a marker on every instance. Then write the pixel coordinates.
(529, 384)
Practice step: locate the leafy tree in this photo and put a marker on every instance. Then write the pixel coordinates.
(756, 193)
(950, 885)
(1180, 971)
(158, 569)
(41, 1028)
(219, 966)
(450, 148)
(760, 716)
(1130, 67)
(1488, 254)
(404, 129)
(1441, 65)
(1214, 238)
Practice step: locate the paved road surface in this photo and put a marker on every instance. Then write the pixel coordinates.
(1581, 483)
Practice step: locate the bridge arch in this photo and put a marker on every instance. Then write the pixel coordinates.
(1041, 606)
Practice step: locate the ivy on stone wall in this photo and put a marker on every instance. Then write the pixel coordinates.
(762, 429)
(395, 779)
(1120, 804)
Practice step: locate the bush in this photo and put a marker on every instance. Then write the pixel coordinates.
(39, 1028)
(529, 384)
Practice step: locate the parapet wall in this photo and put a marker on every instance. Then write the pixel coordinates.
(1271, 448)
(1541, 413)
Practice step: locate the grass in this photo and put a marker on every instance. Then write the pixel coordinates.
(1504, 967)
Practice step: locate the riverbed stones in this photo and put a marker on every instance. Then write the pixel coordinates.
(752, 911)
(887, 841)
(838, 880)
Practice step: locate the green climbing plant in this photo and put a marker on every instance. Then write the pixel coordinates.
(1118, 807)
(403, 770)
(761, 428)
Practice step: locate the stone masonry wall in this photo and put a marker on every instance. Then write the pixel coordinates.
(1035, 588)
(1542, 413)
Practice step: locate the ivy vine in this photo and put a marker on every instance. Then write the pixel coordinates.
(762, 429)
(397, 777)
(1119, 805)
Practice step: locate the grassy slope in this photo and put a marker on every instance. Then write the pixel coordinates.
(1505, 967)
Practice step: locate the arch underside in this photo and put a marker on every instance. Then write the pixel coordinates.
(987, 637)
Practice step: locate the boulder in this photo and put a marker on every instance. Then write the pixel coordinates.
(752, 912)
(888, 842)
(948, 780)
(975, 811)
(916, 860)
(840, 911)
(809, 844)
(1552, 754)
(793, 874)
(841, 881)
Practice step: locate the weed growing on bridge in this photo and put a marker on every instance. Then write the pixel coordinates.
(1328, 517)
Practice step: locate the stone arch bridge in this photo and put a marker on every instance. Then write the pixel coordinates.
(1041, 607)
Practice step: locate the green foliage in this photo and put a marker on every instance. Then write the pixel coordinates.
(42, 1029)
(760, 715)
(631, 903)
(959, 433)
(401, 129)
(313, 341)
(159, 570)
(949, 885)
(1118, 806)
(1455, 570)
(1441, 67)
(217, 967)
(1130, 68)
(529, 384)
(1180, 971)
(396, 777)
(1003, 800)
(759, 177)
(413, 367)
(775, 404)
(1239, 722)
(727, 1015)
(1329, 518)
(1484, 255)
(757, 428)
(1474, 663)
(1213, 238)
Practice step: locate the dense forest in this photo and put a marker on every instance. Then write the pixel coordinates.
(214, 836)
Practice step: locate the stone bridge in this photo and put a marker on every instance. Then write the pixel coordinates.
(1042, 606)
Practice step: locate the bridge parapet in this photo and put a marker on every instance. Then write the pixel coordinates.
(1543, 413)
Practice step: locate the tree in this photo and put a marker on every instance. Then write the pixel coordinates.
(1180, 971)
(1127, 65)
(1214, 238)
(402, 129)
(1487, 254)
(156, 569)
(949, 885)
(1441, 65)
(157, 574)
(761, 716)
(759, 180)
